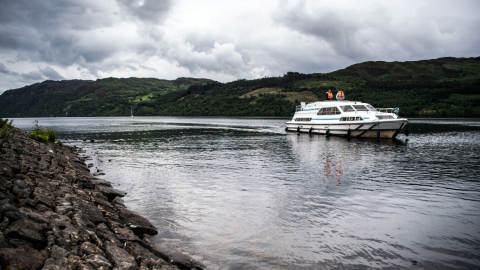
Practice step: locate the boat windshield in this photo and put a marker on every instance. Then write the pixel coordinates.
(360, 107)
(347, 108)
(371, 108)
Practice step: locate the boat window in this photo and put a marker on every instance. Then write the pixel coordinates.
(329, 111)
(384, 117)
(347, 108)
(303, 119)
(360, 107)
(351, 119)
(371, 108)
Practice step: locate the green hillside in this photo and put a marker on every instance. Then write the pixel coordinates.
(445, 87)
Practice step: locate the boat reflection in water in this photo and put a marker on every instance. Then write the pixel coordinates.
(333, 174)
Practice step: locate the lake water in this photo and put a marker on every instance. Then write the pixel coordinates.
(241, 193)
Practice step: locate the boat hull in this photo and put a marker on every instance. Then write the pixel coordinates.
(387, 129)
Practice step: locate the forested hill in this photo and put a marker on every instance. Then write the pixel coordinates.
(445, 87)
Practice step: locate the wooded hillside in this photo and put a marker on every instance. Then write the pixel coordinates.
(445, 87)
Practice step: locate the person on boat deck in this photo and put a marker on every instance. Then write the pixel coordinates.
(329, 94)
(340, 95)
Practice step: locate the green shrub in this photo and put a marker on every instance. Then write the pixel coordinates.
(6, 128)
(42, 135)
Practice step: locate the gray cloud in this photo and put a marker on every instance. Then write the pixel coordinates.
(166, 39)
(50, 31)
(50, 73)
(376, 31)
(154, 11)
(5, 70)
(32, 76)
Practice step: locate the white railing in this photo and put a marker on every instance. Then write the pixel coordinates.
(388, 110)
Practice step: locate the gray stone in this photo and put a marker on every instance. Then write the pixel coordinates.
(11, 211)
(64, 207)
(107, 235)
(28, 230)
(138, 224)
(89, 210)
(100, 199)
(83, 223)
(66, 235)
(5, 183)
(89, 248)
(125, 234)
(4, 223)
(41, 197)
(118, 202)
(58, 253)
(37, 217)
(110, 193)
(58, 259)
(159, 264)
(139, 252)
(120, 257)
(97, 260)
(7, 170)
(23, 257)
(3, 241)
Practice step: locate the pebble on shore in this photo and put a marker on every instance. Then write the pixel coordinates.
(54, 214)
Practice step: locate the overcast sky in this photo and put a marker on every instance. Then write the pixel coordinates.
(223, 40)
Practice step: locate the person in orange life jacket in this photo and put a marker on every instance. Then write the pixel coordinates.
(329, 94)
(340, 95)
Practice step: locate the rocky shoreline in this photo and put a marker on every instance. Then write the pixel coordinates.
(54, 214)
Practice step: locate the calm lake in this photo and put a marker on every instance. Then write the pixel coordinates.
(241, 193)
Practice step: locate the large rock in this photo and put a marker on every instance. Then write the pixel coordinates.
(88, 248)
(97, 261)
(28, 230)
(58, 259)
(41, 196)
(23, 257)
(89, 210)
(10, 211)
(138, 224)
(110, 193)
(121, 259)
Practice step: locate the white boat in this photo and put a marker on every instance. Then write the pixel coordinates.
(346, 118)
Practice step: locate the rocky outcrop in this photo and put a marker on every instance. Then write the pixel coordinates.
(55, 215)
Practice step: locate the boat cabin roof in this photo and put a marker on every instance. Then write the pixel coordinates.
(333, 103)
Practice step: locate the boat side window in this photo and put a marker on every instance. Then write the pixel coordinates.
(329, 111)
(351, 119)
(360, 107)
(303, 119)
(347, 108)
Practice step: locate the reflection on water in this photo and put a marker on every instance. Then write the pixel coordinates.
(332, 172)
(239, 193)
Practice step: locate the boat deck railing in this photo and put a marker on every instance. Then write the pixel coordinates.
(388, 110)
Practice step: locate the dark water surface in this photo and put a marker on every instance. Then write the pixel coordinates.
(236, 193)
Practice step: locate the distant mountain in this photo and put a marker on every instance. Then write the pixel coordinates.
(444, 87)
(103, 97)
